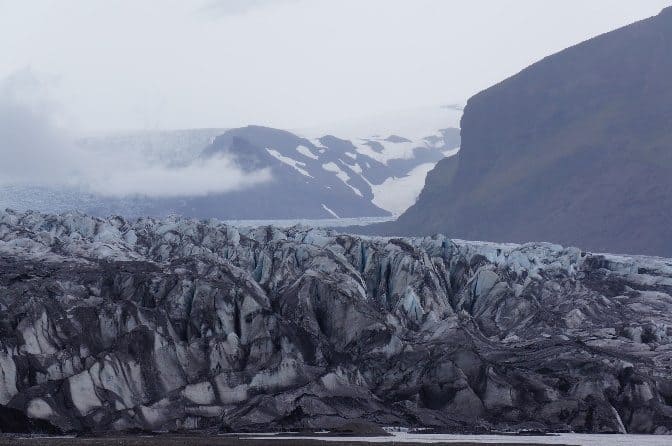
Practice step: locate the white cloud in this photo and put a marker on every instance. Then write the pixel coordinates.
(201, 177)
(35, 149)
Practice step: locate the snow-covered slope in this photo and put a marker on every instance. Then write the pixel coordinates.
(380, 161)
(408, 142)
(364, 168)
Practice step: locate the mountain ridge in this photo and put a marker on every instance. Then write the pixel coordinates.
(574, 149)
(364, 176)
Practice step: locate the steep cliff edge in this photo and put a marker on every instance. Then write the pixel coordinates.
(576, 149)
(182, 324)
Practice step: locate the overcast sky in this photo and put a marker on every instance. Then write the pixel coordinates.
(122, 64)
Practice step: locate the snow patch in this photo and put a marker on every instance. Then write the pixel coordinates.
(305, 151)
(398, 194)
(451, 152)
(299, 166)
(333, 167)
(333, 214)
(391, 150)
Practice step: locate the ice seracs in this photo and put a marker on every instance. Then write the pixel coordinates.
(158, 324)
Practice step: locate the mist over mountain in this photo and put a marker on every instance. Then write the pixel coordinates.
(576, 149)
(252, 172)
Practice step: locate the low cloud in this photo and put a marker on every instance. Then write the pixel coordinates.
(202, 177)
(37, 150)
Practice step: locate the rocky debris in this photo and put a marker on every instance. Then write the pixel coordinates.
(172, 324)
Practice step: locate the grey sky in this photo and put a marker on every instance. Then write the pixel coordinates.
(287, 63)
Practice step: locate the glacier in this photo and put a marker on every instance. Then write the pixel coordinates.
(109, 324)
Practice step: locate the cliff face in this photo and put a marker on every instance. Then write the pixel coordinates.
(167, 324)
(576, 149)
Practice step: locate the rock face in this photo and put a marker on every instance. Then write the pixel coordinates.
(576, 149)
(181, 324)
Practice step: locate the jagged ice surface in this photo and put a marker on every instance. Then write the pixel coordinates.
(109, 324)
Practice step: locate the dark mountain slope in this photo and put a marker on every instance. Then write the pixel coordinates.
(576, 149)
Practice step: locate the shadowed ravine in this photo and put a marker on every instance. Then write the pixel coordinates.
(110, 325)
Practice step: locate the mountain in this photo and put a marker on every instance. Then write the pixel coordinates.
(326, 176)
(313, 174)
(114, 324)
(576, 149)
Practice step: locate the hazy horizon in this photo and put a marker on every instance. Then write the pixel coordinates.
(99, 66)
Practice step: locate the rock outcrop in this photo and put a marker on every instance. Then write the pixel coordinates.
(183, 324)
(576, 149)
